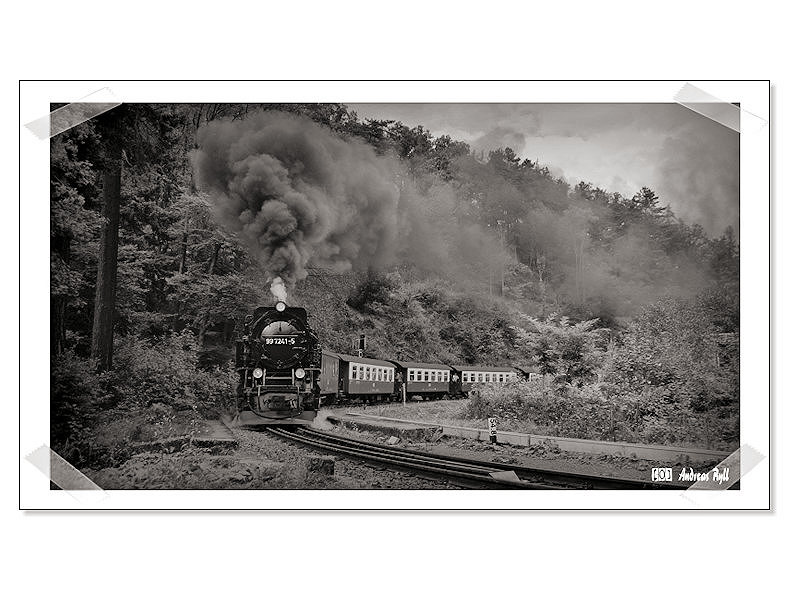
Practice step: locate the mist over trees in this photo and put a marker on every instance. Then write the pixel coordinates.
(483, 241)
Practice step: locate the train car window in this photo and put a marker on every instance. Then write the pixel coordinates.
(378, 374)
(410, 376)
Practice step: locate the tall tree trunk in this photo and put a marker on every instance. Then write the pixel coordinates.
(61, 246)
(205, 317)
(106, 277)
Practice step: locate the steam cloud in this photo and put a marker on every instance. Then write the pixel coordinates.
(278, 289)
(297, 193)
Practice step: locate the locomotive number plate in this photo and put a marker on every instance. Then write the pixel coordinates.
(280, 340)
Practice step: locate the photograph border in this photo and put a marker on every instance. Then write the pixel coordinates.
(34, 493)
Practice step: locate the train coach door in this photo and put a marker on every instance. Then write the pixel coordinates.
(455, 383)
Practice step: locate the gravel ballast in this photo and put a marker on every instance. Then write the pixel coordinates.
(261, 461)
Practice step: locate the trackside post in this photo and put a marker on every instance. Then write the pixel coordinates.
(492, 430)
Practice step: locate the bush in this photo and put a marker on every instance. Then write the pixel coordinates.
(556, 409)
(166, 371)
(552, 408)
(155, 390)
(77, 398)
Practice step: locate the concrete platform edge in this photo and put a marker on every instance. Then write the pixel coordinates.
(634, 450)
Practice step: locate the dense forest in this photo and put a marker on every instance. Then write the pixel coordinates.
(435, 252)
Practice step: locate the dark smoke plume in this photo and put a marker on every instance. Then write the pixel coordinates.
(298, 193)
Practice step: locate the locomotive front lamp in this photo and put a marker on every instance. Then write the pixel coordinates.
(257, 373)
(280, 306)
(299, 373)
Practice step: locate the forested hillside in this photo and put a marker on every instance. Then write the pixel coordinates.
(485, 248)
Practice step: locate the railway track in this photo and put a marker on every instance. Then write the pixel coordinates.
(468, 473)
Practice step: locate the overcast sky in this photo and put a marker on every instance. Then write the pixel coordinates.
(689, 160)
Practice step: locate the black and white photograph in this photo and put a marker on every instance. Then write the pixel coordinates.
(370, 296)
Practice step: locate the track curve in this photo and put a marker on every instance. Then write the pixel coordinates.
(470, 473)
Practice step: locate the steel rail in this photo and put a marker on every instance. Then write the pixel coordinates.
(550, 477)
(452, 472)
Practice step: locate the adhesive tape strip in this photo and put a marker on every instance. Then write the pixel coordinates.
(724, 113)
(73, 114)
(61, 472)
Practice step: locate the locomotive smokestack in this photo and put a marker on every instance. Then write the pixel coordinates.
(278, 290)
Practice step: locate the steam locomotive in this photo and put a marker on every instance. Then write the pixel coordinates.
(284, 376)
(278, 360)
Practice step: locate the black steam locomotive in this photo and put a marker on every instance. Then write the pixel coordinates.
(279, 362)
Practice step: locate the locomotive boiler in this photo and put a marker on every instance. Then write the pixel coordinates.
(278, 359)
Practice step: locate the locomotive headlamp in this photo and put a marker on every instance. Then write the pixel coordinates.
(257, 373)
(299, 373)
(280, 306)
